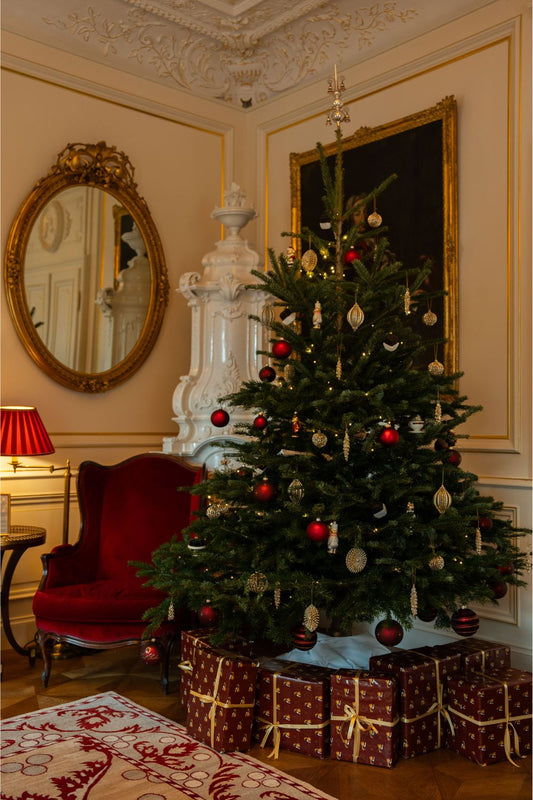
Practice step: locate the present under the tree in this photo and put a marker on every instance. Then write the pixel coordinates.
(221, 699)
(491, 715)
(479, 655)
(421, 676)
(192, 643)
(292, 707)
(364, 718)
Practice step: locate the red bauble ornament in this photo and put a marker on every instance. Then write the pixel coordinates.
(506, 569)
(499, 589)
(389, 632)
(351, 255)
(151, 653)
(389, 437)
(281, 349)
(267, 374)
(260, 422)
(303, 639)
(485, 524)
(264, 491)
(219, 418)
(317, 531)
(427, 614)
(207, 615)
(454, 457)
(465, 622)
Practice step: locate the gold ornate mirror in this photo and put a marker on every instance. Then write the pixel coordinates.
(85, 274)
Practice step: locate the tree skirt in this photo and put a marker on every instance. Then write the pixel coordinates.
(110, 748)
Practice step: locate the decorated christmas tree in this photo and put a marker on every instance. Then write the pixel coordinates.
(345, 498)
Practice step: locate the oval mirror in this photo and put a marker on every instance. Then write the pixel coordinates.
(85, 275)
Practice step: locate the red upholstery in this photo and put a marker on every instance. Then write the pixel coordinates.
(89, 594)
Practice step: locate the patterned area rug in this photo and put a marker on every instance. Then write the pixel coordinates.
(106, 746)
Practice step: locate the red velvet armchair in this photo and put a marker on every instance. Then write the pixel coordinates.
(89, 595)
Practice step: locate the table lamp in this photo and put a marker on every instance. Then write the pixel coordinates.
(22, 433)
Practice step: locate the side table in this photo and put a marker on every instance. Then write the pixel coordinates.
(18, 540)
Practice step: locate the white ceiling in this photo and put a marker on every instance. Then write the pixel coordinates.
(241, 52)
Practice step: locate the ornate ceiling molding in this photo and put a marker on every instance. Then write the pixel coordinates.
(242, 52)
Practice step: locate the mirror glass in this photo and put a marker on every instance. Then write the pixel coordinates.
(85, 275)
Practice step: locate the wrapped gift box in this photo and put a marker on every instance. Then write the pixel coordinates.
(292, 707)
(195, 641)
(491, 714)
(221, 699)
(421, 676)
(364, 718)
(479, 655)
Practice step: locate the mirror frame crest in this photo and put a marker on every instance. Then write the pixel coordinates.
(102, 167)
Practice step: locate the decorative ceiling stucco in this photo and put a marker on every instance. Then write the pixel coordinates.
(241, 52)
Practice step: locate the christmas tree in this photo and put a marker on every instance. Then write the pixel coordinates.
(345, 495)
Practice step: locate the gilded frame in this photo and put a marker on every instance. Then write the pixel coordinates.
(107, 168)
(418, 146)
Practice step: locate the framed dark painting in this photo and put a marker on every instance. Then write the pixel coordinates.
(419, 207)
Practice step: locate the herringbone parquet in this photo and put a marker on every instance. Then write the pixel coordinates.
(442, 775)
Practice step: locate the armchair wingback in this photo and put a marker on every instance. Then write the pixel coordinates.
(89, 593)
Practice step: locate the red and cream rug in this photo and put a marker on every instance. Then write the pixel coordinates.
(110, 748)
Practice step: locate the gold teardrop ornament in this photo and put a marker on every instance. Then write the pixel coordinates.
(311, 618)
(414, 601)
(319, 439)
(442, 499)
(355, 316)
(309, 260)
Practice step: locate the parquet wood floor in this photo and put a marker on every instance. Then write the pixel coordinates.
(442, 775)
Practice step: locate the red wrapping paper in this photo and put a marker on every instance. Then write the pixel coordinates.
(192, 643)
(221, 700)
(480, 656)
(421, 676)
(364, 718)
(491, 715)
(292, 707)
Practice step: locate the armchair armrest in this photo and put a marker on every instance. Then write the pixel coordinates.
(63, 566)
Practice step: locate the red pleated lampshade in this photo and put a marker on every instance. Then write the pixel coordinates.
(23, 432)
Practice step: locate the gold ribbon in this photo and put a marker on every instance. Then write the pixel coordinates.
(215, 703)
(186, 666)
(507, 721)
(438, 706)
(275, 727)
(359, 723)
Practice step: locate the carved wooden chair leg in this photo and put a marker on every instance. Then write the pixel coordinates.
(45, 643)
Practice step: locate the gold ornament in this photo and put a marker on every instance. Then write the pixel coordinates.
(296, 490)
(338, 369)
(267, 315)
(346, 445)
(438, 411)
(442, 499)
(288, 372)
(429, 318)
(479, 541)
(319, 439)
(410, 507)
(355, 316)
(214, 511)
(309, 261)
(407, 301)
(356, 559)
(436, 368)
(295, 425)
(374, 219)
(435, 563)
(171, 612)
(414, 601)
(257, 582)
(277, 595)
(311, 618)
